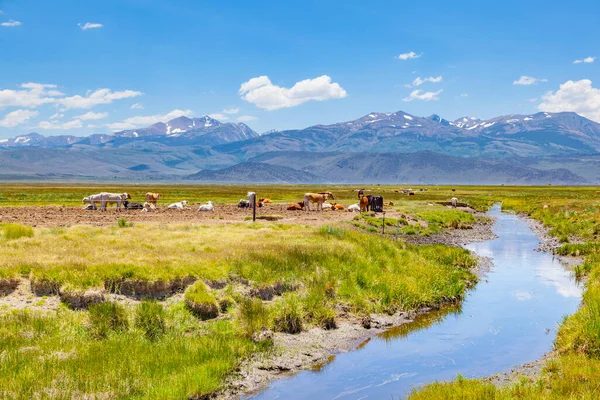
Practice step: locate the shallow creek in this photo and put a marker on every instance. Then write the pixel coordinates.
(509, 318)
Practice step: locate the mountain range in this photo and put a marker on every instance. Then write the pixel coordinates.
(544, 148)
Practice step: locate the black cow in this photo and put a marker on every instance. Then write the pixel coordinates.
(133, 206)
(375, 203)
(244, 204)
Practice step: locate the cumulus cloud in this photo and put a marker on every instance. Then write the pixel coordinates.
(137, 106)
(10, 23)
(409, 56)
(32, 95)
(246, 118)
(576, 96)
(218, 116)
(91, 116)
(425, 96)
(49, 125)
(17, 117)
(231, 110)
(135, 122)
(419, 81)
(528, 80)
(100, 96)
(585, 60)
(89, 25)
(264, 94)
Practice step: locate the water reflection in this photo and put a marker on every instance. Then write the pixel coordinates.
(503, 322)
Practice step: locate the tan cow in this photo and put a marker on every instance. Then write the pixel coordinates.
(318, 198)
(152, 198)
(295, 206)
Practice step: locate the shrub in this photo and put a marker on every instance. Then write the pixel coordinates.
(252, 316)
(107, 317)
(16, 231)
(122, 223)
(288, 316)
(150, 317)
(201, 302)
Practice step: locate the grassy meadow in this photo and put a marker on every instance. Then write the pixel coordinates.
(198, 297)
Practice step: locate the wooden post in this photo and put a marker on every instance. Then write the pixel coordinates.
(397, 229)
(254, 208)
(383, 224)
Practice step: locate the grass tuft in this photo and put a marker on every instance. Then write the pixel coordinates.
(17, 231)
(150, 318)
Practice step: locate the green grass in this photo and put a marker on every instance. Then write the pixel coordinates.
(17, 231)
(200, 301)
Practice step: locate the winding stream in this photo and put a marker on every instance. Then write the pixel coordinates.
(510, 318)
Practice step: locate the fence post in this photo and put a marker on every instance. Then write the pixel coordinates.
(397, 229)
(383, 223)
(254, 208)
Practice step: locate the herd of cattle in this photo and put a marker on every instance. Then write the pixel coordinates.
(365, 203)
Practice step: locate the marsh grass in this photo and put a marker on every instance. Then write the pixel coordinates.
(17, 231)
(201, 302)
(150, 318)
(107, 317)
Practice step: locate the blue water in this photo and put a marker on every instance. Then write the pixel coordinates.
(509, 318)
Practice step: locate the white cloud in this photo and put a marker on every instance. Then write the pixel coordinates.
(231, 110)
(89, 25)
(218, 116)
(32, 95)
(425, 96)
(408, 56)
(263, 94)
(10, 23)
(100, 96)
(419, 81)
(246, 118)
(17, 117)
(57, 116)
(91, 116)
(585, 60)
(137, 106)
(464, 95)
(528, 80)
(138, 121)
(49, 125)
(576, 96)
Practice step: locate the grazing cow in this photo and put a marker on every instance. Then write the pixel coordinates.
(353, 208)
(149, 207)
(296, 206)
(133, 206)
(243, 204)
(364, 203)
(318, 198)
(207, 207)
(106, 198)
(454, 201)
(265, 201)
(181, 205)
(376, 203)
(152, 198)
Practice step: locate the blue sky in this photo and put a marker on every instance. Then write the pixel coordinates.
(171, 58)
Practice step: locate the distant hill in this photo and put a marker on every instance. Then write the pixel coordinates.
(257, 173)
(382, 147)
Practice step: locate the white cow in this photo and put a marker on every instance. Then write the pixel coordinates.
(326, 206)
(454, 201)
(353, 208)
(106, 198)
(149, 207)
(207, 207)
(180, 205)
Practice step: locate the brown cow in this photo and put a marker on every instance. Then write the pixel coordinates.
(337, 207)
(364, 203)
(152, 198)
(318, 198)
(295, 206)
(265, 201)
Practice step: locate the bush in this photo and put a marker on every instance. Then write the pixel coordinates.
(252, 316)
(201, 302)
(16, 231)
(107, 317)
(288, 316)
(122, 223)
(150, 317)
